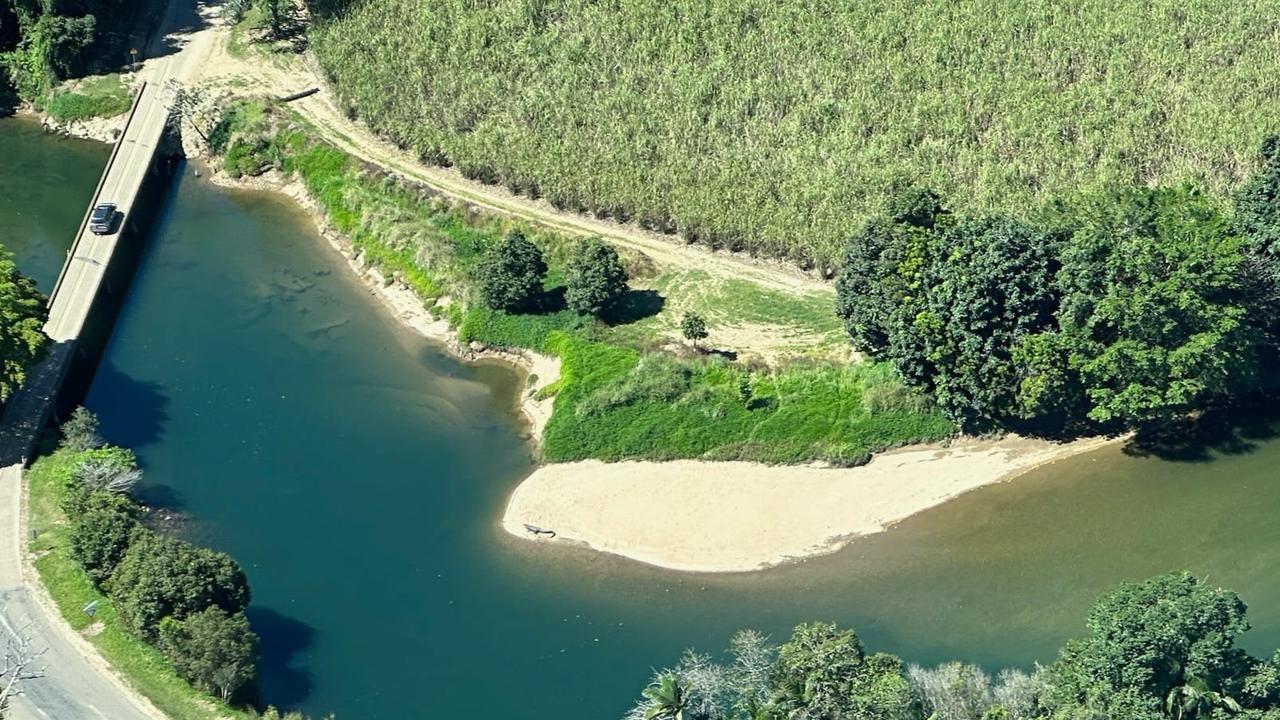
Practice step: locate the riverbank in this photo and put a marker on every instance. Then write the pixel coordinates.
(539, 370)
(735, 516)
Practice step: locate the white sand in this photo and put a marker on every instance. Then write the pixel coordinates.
(737, 516)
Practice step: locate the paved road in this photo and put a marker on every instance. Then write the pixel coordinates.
(76, 684)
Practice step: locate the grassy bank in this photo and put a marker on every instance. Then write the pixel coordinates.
(144, 667)
(629, 388)
(95, 97)
(777, 127)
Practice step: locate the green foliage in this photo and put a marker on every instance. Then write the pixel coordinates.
(71, 589)
(1126, 307)
(93, 98)
(693, 328)
(511, 274)
(1151, 638)
(594, 278)
(1257, 204)
(162, 577)
(1153, 314)
(823, 661)
(991, 286)
(760, 126)
(102, 532)
(22, 316)
(1159, 650)
(609, 407)
(80, 431)
(214, 651)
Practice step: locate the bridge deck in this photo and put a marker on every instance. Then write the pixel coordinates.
(90, 255)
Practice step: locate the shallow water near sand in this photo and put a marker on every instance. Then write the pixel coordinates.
(359, 475)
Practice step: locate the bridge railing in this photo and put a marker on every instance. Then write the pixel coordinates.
(84, 222)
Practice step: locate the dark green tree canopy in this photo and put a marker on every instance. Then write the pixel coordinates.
(163, 577)
(213, 650)
(22, 316)
(1147, 639)
(594, 278)
(990, 288)
(1257, 204)
(511, 274)
(1153, 313)
(102, 533)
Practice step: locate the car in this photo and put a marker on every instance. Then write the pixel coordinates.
(102, 220)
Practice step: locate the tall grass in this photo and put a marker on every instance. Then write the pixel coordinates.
(775, 126)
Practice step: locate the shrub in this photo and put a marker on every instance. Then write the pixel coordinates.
(110, 469)
(102, 532)
(80, 431)
(511, 274)
(162, 577)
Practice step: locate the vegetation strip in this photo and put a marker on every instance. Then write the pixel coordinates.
(165, 614)
(619, 396)
(1163, 649)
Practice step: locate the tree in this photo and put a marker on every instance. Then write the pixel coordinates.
(1149, 639)
(991, 289)
(878, 288)
(511, 274)
(823, 661)
(665, 698)
(101, 534)
(163, 577)
(80, 431)
(594, 278)
(1257, 204)
(694, 328)
(214, 651)
(1196, 699)
(1153, 316)
(1256, 220)
(17, 665)
(22, 316)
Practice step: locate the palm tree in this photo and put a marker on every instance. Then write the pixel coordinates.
(1196, 699)
(668, 696)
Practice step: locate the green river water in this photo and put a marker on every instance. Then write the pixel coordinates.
(359, 475)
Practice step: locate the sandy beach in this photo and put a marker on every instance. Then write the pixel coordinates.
(738, 516)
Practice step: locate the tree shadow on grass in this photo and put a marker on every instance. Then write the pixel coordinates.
(1236, 430)
(283, 639)
(549, 302)
(635, 306)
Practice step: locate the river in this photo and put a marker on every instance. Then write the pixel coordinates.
(358, 474)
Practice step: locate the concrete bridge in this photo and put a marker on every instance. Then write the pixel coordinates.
(73, 683)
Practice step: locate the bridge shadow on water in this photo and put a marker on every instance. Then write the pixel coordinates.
(1237, 430)
(283, 640)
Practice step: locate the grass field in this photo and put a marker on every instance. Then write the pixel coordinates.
(71, 589)
(776, 127)
(776, 389)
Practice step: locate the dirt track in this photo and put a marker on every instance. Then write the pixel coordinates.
(282, 75)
